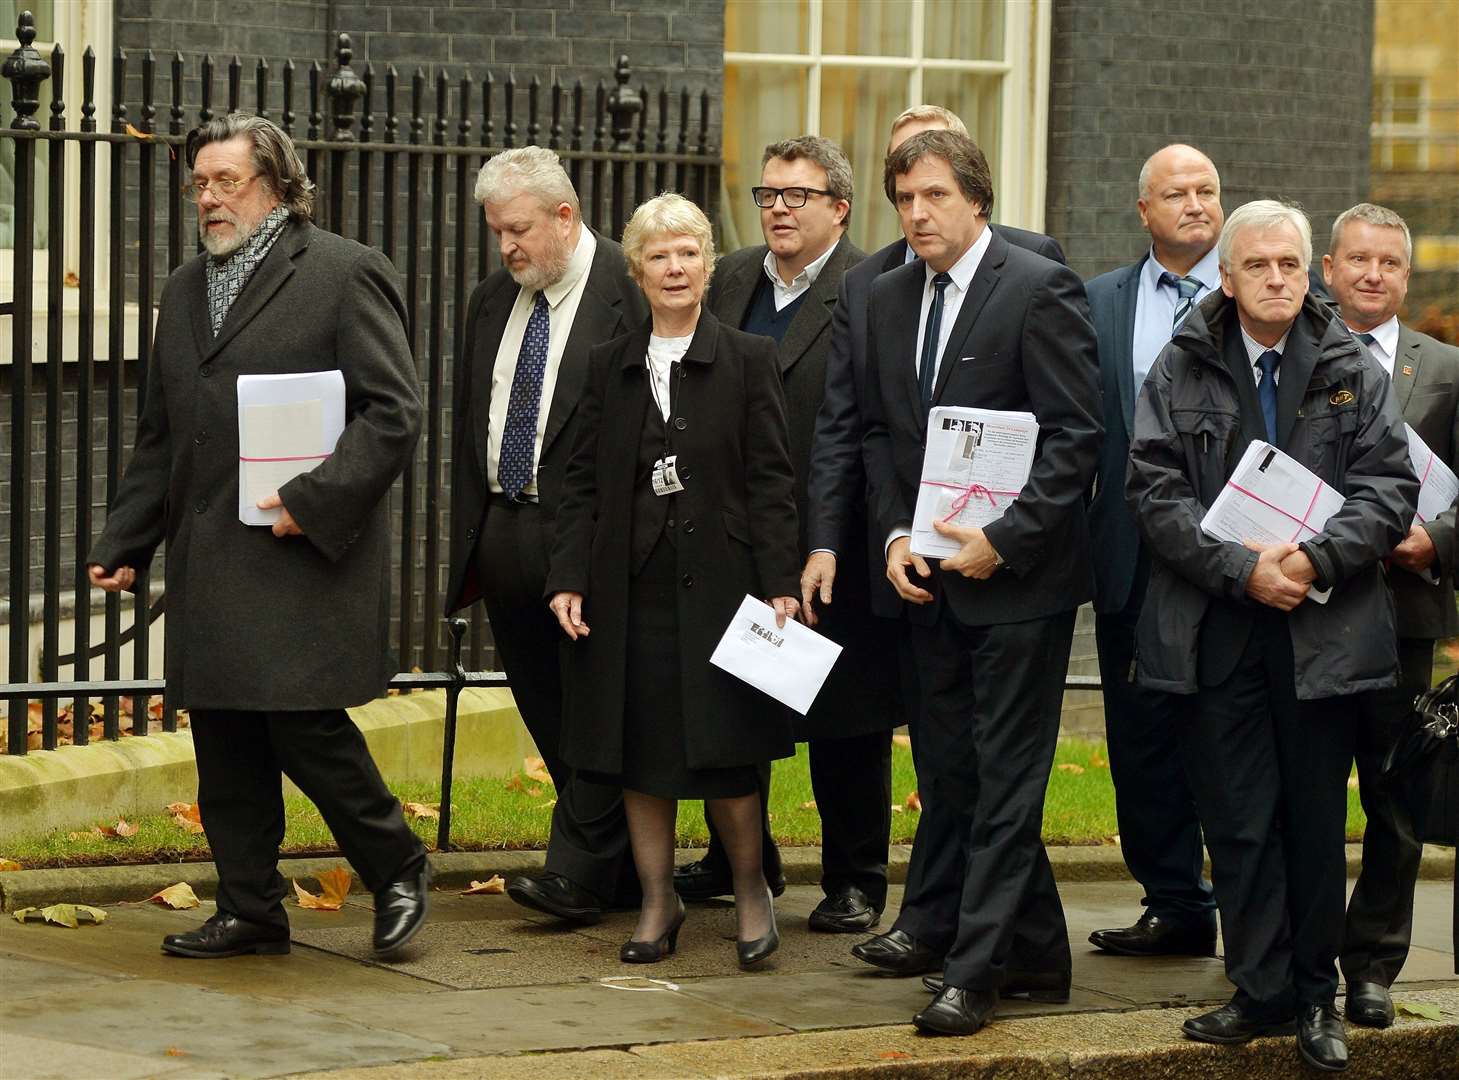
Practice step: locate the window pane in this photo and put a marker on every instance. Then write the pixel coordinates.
(857, 109)
(867, 27)
(964, 29)
(978, 100)
(767, 103)
(758, 26)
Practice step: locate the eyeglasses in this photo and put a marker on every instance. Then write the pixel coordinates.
(221, 189)
(794, 197)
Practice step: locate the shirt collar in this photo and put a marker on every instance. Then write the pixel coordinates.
(965, 268)
(1254, 348)
(577, 265)
(1385, 336)
(1207, 271)
(808, 275)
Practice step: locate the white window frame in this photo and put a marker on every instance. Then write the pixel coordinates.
(1022, 153)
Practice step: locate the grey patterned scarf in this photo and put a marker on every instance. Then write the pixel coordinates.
(226, 277)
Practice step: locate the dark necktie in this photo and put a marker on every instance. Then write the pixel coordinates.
(1266, 390)
(1366, 339)
(519, 435)
(1186, 289)
(927, 373)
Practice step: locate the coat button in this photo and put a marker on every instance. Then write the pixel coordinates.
(200, 438)
(685, 474)
(687, 581)
(200, 506)
(688, 525)
(206, 371)
(670, 523)
(680, 423)
(471, 534)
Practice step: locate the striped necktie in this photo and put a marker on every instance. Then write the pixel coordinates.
(1186, 289)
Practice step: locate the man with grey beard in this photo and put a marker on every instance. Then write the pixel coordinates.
(562, 289)
(272, 633)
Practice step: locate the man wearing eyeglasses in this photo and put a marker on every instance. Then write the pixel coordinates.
(273, 632)
(786, 289)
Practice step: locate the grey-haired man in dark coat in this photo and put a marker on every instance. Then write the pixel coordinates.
(273, 632)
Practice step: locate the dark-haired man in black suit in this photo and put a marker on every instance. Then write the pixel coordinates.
(997, 327)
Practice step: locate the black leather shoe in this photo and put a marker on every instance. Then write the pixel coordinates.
(898, 953)
(1153, 936)
(1231, 1024)
(1369, 1004)
(699, 880)
(651, 952)
(848, 910)
(1321, 1040)
(227, 935)
(1043, 986)
(400, 912)
(957, 1012)
(554, 894)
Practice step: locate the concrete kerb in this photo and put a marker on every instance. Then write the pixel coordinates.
(457, 869)
(77, 786)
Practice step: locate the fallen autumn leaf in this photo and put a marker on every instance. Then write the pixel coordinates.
(70, 915)
(179, 897)
(536, 769)
(8, 864)
(421, 810)
(1070, 767)
(334, 887)
(914, 802)
(491, 886)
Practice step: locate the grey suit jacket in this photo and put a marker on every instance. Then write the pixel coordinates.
(255, 622)
(1426, 381)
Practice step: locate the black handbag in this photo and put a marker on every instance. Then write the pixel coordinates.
(1427, 754)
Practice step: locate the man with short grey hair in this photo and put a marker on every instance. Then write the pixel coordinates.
(1367, 268)
(562, 289)
(273, 632)
(1270, 672)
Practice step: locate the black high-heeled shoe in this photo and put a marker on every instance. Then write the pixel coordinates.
(651, 952)
(751, 953)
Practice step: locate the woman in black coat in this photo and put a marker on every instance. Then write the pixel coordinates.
(657, 560)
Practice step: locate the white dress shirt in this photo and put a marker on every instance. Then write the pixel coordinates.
(1155, 306)
(563, 297)
(1385, 343)
(785, 294)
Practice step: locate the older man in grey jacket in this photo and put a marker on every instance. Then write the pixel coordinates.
(1269, 742)
(273, 631)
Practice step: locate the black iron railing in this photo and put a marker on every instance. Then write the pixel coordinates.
(399, 180)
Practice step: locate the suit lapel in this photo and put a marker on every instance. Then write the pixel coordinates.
(488, 341)
(598, 319)
(737, 291)
(904, 294)
(1407, 365)
(276, 269)
(1127, 293)
(815, 311)
(979, 290)
(201, 322)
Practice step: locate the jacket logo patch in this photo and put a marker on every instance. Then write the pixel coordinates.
(1342, 397)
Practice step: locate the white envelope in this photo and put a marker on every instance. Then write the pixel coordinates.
(790, 662)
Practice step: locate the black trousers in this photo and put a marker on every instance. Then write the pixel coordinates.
(589, 840)
(241, 759)
(1269, 775)
(1160, 835)
(1380, 910)
(980, 885)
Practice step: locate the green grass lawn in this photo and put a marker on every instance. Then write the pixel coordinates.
(516, 813)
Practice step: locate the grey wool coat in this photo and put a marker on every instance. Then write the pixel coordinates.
(255, 622)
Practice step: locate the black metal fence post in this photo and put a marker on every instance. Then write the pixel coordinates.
(624, 104)
(457, 629)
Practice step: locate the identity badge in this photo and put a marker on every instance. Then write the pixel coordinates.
(666, 476)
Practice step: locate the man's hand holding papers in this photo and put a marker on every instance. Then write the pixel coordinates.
(976, 559)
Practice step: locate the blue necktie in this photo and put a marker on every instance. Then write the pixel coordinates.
(927, 373)
(519, 435)
(1266, 390)
(1186, 289)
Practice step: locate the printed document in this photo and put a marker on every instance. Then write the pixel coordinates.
(975, 464)
(287, 425)
(790, 662)
(1272, 498)
(1438, 485)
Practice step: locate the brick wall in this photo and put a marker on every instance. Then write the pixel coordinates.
(1276, 94)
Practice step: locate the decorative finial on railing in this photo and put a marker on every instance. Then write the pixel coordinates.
(345, 89)
(26, 69)
(624, 103)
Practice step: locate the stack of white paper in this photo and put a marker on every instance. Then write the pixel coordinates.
(1438, 486)
(287, 425)
(790, 662)
(975, 464)
(1272, 498)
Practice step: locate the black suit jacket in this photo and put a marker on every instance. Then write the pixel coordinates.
(611, 305)
(1022, 341)
(836, 480)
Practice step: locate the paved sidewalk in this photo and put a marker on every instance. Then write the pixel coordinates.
(494, 990)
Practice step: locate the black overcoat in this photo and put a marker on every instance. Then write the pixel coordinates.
(736, 534)
(860, 696)
(255, 622)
